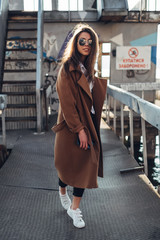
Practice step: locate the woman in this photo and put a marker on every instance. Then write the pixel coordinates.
(78, 153)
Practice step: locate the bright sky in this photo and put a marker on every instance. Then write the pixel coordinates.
(32, 5)
(72, 5)
(151, 4)
(63, 5)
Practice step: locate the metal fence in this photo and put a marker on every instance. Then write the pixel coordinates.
(147, 111)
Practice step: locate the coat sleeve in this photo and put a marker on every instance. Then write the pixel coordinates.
(66, 92)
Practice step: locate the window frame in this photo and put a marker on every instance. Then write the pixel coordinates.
(100, 60)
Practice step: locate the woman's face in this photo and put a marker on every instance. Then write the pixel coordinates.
(84, 44)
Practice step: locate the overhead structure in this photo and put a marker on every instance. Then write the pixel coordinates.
(113, 10)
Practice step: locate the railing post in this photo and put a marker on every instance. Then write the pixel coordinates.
(159, 156)
(3, 105)
(144, 146)
(108, 109)
(122, 122)
(39, 72)
(131, 131)
(115, 115)
(159, 142)
(3, 127)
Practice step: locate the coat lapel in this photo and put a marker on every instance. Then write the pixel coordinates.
(82, 81)
(99, 93)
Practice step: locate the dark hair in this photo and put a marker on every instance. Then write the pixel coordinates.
(72, 55)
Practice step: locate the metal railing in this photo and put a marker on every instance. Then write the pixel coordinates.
(39, 67)
(3, 105)
(4, 5)
(147, 111)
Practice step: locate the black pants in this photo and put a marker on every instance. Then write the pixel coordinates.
(77, 192)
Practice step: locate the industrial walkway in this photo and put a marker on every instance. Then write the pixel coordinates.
(124, 207)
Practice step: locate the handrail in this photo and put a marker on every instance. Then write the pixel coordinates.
(3, 105)
(137, 104)
(148, 112)
(4, 5)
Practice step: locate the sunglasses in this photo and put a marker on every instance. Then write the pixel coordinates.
(83, 42)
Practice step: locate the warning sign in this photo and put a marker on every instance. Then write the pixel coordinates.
(133, 52)
(133, 58)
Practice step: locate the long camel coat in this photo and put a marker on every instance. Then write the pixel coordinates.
(75, 166)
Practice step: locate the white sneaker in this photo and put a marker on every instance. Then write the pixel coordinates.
(76, 215)
(65, 200)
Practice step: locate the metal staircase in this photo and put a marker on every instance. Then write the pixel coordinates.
(19, 77)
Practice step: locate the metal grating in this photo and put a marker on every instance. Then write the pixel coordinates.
(122, 208)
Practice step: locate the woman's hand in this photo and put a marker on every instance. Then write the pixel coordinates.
(83, 139)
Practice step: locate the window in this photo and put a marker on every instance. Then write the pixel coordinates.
(72, 5)
(134, 5)
(32, 5)
(104, 60)
(158, 55)
(105, 66)
(47, 5)
(153, 5)
(148, 5)
(106, 47)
